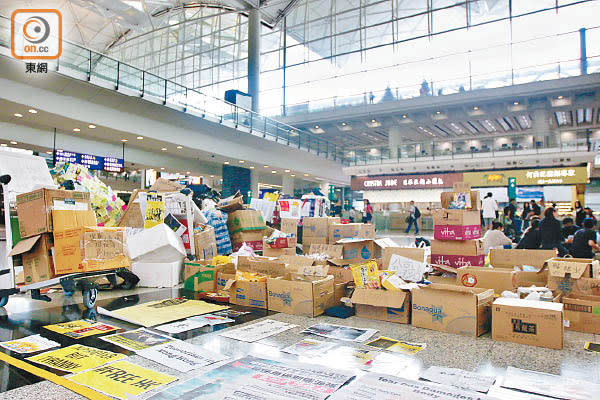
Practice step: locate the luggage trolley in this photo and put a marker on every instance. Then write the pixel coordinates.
(22, 173)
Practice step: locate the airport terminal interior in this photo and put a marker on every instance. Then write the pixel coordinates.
(300, 199)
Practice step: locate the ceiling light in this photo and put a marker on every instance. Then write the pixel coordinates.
(76, 129)
(242, 161)
(292, 175)
(273, 172)
(4, 145)
(124, 140)
(13, 142)
(212, 176)
(266, 166)
(180, 147)
(140, 138)
(516, 103)
(560, 97)
(18, 115)
(164, 149)
(188, 172)
(287, 170)
(251, 167)
(162, 168)
(404, 116)
(31, 110)
(438, 112)
(306, 175)
(226, 163)
(373, 121)
(316, 126)
(92, 126)
(343, 124)
(475, 108)
(48, 152)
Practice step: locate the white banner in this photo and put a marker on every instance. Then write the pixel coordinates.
(181, 326)
(347, 333)
(258, 331)
(29, 344)
(181, 355)
(459, 378)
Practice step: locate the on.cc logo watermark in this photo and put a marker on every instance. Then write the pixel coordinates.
(36, 34)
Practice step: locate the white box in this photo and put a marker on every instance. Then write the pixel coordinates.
(158, 275)
(156, 245)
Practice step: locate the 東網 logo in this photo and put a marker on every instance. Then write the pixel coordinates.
(36, 34)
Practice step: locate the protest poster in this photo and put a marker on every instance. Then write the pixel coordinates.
(180, 326)
(76, 358)
(406, 268)
(29, 344)
(122, 379)
(81, 328)
(137, 340)
(181, 355)
(340, 332)
(155, 210)
(559, 387)
(259, 379)
(162, 311)
(309, 347)
(396, 346)
(388, 387)
(212, 319)
(257, 331)
(459, 378)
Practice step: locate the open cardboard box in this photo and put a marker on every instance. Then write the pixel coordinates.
(280, 248)
(461, 187)
(36, 254)
(518, 259)
(408, 252)
(487, 278)
(356, 251)
(289, 225)
(262, 265)
(573, 275)
(383, 305)
(201, 275)
(242, 292)
(305, 296)
(456, 224)
(456, 254)
(452, 309)
(350, 231)
(232, 203)
(582, 313)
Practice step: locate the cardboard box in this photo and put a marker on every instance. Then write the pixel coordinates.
(68, 239)
(36, 254)
(573, 276)
(232, 203)
(339, 291)
(158, 275)
(384, 305)
(357, 250)
(245, 220)
(412, 253)
(157, 244)
(341, 274)
(268, 251)
(262, 265)
(536, 323)
(447, 197)
(456, 224)
(253, 238)
(35, 208)
(332, 250)
(201, 276)
(289, 225)
(582, 313)
(104, 248)
(487, 278)
(510, 258)
(249, 294)
(307, 298)
(456, 254)
(309, 241)
(452, 309)
(315, 227)
(205, 243)
(350, 231)
(446, 280)
(382, 244)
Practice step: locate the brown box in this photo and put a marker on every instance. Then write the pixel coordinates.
(457, 253)
(357, 250)
(69, 227)
(245, 220)
(582, 313)
(36, 253)
(201, 276)
(249, 294)
(412, 253)
(308, 298)
(262, 265)
(205, 243)
(447, 197)
(487, 278)
(341, 274)
(104, 248)
(536, 323)
(573, 276)
(252, 238)
(309, 241)
(232, 203)
(35, 208)
(289, 225)
(384, 305)
(452, 309)
(339, 291)
(315, 227)
(350, 231)
(510, 258)
(270, 252)
(332, 250)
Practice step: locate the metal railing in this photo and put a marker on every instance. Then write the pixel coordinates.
(88, 65)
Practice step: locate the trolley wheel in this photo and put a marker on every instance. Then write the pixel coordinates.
(89, 297)
(3, 301)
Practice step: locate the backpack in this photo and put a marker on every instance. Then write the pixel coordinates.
(417, 213)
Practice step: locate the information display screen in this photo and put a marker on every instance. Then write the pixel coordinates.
(108, 164)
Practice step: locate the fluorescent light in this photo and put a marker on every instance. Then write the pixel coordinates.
(4, 145)
(516, 103)
(188, 172)
(438, 112)
(226, 163)
(306, 175)
(140, 138)
(343, 124)
(266, 166)
(76, 129)
(162, 168)
(18, 115)
(475, 108)
(316, 126)
(164, 149)
(373, 120)
(273, 172)
(404, 116)
(292, 175)
(251, 167)
(560, 97)
(13, 142)
(180, 147)
(48, 152)
(92, 126)
(212, 176)
(287, 170)
(31, 110)
(242, 161)
(124, 140)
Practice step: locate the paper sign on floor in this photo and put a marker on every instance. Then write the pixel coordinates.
(459, 378)
(257, 331)
(181, 355)
(180, 326)
(340, 332)
(29, 344)
(122, 379)
(396, 346)
(309, 347)
(211, 319)
(76, 358)
(81, 328)
(137, 340)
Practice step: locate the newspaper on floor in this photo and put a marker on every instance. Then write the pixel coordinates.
(388, 387)
(396, 346)
(556, 386)
(180, 326)
(212, 319)
(259, 379)
(260, 330)
(459, 378)
(309, 347)
(181, 355)
(137, 340)
(30, 344)
(340, 332)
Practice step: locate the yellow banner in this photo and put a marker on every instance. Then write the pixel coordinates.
(81, 328)
(76, 358)
(122, 379)
(155, 210)
(528, 177)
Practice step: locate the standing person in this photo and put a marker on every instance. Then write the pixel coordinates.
(569, 228)
(415, 214)
(525, 215)
(590, 214)
(551, 232)
(352, 214)
(584, 242)
(490, 207)
(536, 209)
(368, 212)
(495, 238)
(579, 213)
(532, 238)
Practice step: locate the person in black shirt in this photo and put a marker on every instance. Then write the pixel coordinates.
(579, 213)
(535, 208)
(584, 242)
(532, 238)
(525, 215)
(569, 228)
(551, 233)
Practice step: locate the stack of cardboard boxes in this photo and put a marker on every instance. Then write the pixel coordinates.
(316, 230)
(246, 226)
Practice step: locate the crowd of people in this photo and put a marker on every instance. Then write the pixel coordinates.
(534, 228)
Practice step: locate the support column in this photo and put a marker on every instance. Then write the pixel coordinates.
(254, 183)
(288, 185)
(583, 51)
(254, 58)
(540, 127)
(143, 178)
(394, 141)
(324, 187)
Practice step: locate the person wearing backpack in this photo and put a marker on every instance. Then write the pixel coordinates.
(415, 214)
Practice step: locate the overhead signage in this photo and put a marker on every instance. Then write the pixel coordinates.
(108, 164)
(528, 177)
(399, 182)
